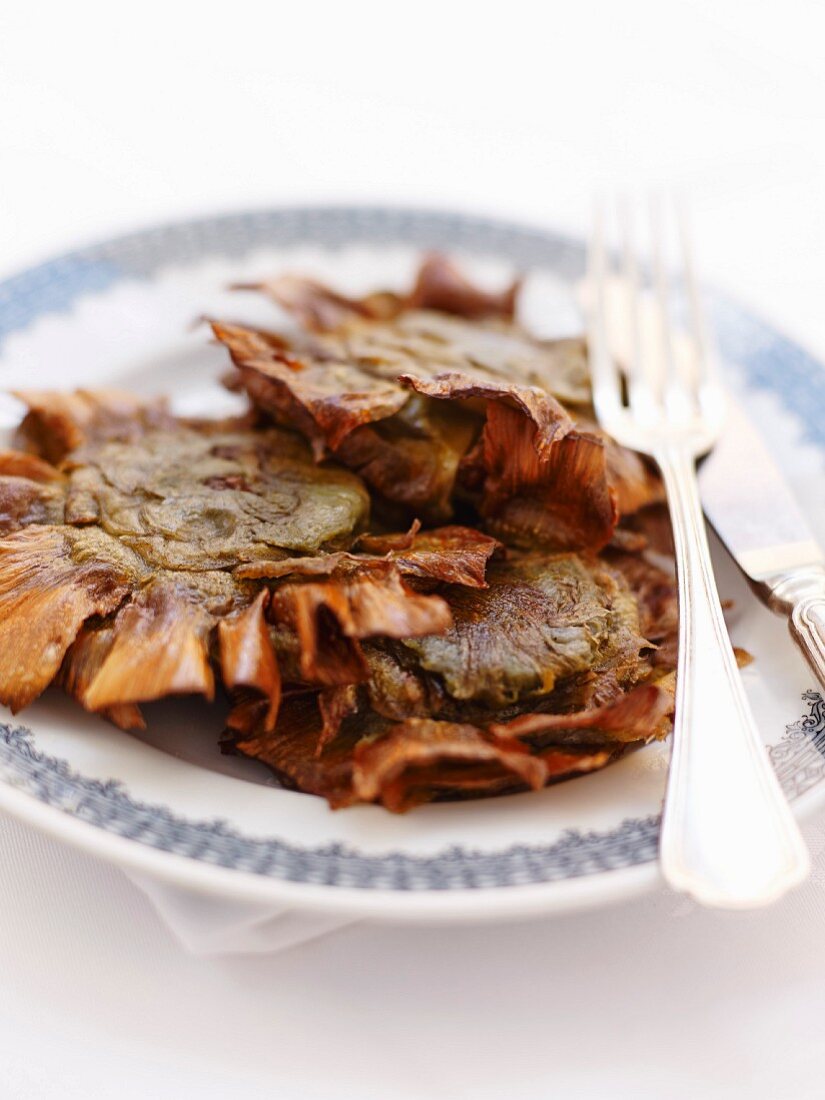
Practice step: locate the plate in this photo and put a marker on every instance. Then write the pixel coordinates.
(166, 803)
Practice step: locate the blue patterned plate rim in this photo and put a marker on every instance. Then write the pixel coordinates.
(210, 854)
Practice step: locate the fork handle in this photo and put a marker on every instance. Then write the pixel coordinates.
(728, 836)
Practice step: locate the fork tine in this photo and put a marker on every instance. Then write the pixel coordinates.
(641, 383)
(705, 359)
(660, 284)
(604, 374)
(677, 390)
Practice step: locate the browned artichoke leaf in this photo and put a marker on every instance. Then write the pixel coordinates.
(653, 526)
(159, 647)
(24, 501)
(291, 751)
(247, 658)
(411, 459)
(400, 765)
(561, 498)
(31, 491)
(444, 780)
(657, 597)
(453, 555)
(638, 715)
(542, 619)
(442, 285)
(320, 565)
(439, 285)
(126, 716)
(542, 482)
(52, 579)
(58, 423)
(315, 388)
(319, 308)
(82, 663)
(335, 704)
(330, 617)
(635, 483)
(421, 759)
(21, 464)
(632, 477)
(395, 687)
(198, 499)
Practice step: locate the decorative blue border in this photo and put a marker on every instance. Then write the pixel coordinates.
(768, 359)
(799, 759)
(109, 806)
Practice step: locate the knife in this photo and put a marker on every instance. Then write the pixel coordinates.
(756, 517)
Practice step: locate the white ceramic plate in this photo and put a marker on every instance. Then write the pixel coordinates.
(167, 803)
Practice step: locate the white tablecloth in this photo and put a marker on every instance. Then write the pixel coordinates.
(111, 119)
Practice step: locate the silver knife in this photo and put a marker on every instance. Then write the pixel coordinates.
(755, 515)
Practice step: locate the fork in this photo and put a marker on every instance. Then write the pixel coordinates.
(728, 837)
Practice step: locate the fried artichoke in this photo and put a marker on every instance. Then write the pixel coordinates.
(416, 566)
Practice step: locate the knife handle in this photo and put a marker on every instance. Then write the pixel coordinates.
(800, 594)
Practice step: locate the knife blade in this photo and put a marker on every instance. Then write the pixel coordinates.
(758, 519)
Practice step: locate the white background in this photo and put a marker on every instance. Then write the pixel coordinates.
(115, 116)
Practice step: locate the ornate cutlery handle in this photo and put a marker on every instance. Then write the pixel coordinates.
(801, 595)
(728, 836)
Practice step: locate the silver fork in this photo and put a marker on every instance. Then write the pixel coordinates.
(728, 837)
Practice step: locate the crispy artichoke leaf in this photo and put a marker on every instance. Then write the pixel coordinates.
(52, 580)
(636, 485)
(542, 482)
(396, 690)
(24, 502)
(563, 765)
(159, 647)
(631, 476)
(420, 759)
(440, 285)
(319, 308)
(335, 704)
(247, 658)
(638, 715)
(323, 394)
(412, 459)
(453, 555)
(657, 597)
(31, 491)
(330, 617)
(652, 525)
(58, 423)
(21, 464)
(291, 751)
(82, 663)
(399, 765)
